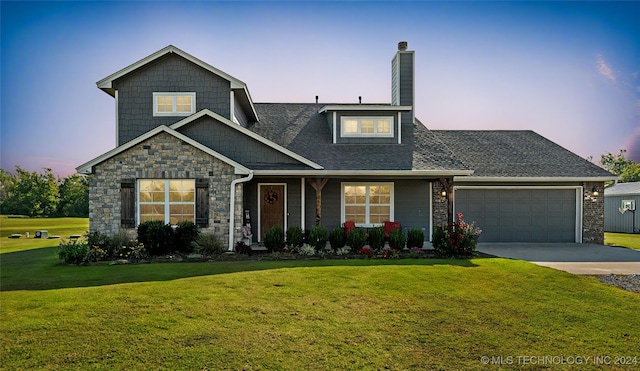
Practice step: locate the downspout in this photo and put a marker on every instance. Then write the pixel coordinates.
(232, 206)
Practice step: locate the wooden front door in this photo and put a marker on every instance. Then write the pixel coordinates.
(272, 198)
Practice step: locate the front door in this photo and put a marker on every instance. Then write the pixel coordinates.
(272, 199)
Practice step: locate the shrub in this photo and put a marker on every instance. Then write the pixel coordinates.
(376, 238)
(73, 252)
(337, 238)
(156, 237)
(295, 236)
(242, 248)
(397, 239)
(133, 251)
(183, 237)
(274, 239)
(318, 237)
(415, 238)
(457, 239)
(208, 245)
(308, 251)
(356, 239)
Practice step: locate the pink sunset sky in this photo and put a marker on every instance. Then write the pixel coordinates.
(567, 70)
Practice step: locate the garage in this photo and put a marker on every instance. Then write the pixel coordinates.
(520, 214)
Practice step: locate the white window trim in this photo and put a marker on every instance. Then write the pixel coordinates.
(173, 95)
(366, 184)
(375, 134)
(167, 204)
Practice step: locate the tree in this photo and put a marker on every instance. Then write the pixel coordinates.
(74, 196)
(627, 169)
(29, 193)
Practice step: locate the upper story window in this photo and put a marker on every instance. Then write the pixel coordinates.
(367, 126)
(174, 104)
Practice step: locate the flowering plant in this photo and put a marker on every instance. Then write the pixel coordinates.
(457, 239)
(365, 251)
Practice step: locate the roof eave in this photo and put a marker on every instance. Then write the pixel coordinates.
(513, 179)
(361, 173)
(363, 107)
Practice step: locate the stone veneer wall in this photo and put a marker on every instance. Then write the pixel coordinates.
(593, 213)
(166, 158)
(439, 205)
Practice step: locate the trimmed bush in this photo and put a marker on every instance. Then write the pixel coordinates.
(397, 239)
(274, 239)
(74, 252)
(156, 237)
(356, 239)
(318, 237)
(208, 245)
(183, 237)
(243, 249)
(415, 238)
(337, 238)
(376, 238)
(295, 236)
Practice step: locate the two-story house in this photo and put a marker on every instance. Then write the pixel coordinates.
(192, 145)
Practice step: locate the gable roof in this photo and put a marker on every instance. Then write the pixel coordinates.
(238, 86)
(623, 189)
(249, 133)
(518, 155)
(300, 128)
(87, 168)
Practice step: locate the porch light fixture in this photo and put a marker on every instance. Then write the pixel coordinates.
(595, 192)
(443, 193)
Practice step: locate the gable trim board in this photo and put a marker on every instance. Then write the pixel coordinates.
(578, 207)
(87, 168)
(247, 132)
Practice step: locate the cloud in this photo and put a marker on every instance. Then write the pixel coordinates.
(604, 69)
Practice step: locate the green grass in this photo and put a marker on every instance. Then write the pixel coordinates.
(314, 314)
(623, 239)
(63, 227)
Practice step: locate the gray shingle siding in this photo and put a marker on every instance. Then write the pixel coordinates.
(236, 145)
(171, 73)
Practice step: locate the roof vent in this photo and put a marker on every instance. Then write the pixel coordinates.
(402, 45)
(316, 99)
(360, 99)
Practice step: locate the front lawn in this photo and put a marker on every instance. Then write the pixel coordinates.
(314, 314)
(623, 239)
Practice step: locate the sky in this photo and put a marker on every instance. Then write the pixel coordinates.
(566, 70)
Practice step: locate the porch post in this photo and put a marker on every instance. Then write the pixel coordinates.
(318, 184)
(448, 186)
(303, 207)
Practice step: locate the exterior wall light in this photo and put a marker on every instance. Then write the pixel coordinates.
(595, 192)
(443, 193)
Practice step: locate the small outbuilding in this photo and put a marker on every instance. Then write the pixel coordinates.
(620, 203)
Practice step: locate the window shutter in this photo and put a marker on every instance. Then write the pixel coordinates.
(128, 203)
(202, 202)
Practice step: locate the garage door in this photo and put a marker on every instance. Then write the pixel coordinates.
(520, 215)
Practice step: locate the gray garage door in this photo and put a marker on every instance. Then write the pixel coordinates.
(523, 215)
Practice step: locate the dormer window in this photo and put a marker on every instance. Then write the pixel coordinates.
(174, 104)
(366, 126)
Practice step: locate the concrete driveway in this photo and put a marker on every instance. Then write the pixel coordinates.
(570, 257)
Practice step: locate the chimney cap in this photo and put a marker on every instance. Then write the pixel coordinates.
(402, 45)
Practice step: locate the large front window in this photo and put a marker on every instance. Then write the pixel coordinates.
(174, 104)
(367, 126)
(170, 201)
(367, 204)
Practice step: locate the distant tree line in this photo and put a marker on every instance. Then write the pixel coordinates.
(43, 194)
(627, 169)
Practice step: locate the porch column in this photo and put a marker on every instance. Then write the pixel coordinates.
(318, 184)
(447, 184)
(303, 207)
